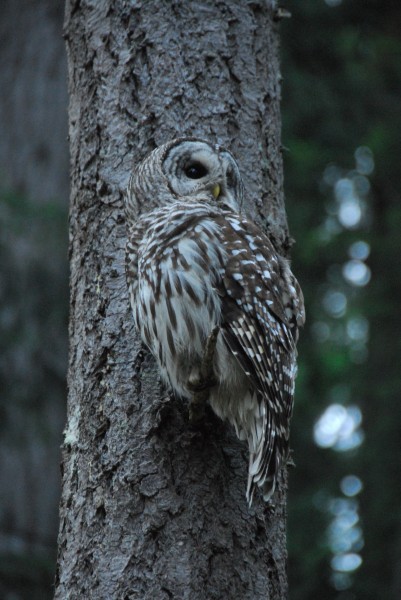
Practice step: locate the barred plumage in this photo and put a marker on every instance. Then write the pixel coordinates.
(195, 261)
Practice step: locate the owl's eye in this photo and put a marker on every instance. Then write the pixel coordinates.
(195, 170)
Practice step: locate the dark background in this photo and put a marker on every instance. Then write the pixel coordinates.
(341, 66)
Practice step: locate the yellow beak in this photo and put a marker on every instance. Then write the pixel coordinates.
(216, 190)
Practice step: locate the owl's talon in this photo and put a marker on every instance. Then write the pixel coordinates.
(200, 384)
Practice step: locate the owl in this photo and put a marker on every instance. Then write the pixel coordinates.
(201, 275)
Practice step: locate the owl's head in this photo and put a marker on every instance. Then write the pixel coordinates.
(185, 168)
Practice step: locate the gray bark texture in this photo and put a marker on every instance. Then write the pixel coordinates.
(152, 507)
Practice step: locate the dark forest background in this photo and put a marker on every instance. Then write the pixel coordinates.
(341, 66)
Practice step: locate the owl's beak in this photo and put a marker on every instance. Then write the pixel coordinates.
(216, 190)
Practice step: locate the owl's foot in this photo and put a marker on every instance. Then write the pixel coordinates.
(202, 378)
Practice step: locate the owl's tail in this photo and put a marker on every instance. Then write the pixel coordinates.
(266, 453)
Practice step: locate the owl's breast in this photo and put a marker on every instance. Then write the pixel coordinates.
(177, 303)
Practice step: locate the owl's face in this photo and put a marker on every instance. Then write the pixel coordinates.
(194, 168)
(186, 168)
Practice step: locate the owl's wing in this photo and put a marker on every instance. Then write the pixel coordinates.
(262, 307)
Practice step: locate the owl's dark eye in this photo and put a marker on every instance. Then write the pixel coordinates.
(195, 170)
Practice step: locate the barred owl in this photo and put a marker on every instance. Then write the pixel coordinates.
(196, 264)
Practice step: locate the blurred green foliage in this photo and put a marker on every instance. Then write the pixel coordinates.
(33, 298)
(26, 576)
(341, 63)
(33, 362)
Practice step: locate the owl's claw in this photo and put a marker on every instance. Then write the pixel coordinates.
(202, 379)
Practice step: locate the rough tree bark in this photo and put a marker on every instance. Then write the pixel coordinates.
(152, 508)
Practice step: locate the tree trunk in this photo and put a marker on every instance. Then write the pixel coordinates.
(153, 508)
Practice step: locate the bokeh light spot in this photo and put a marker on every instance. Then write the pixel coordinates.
(339, 428)
(351, 485)
(356, 273)
(359, 250)
(335, 303)
(365, 163)
(346, 562)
